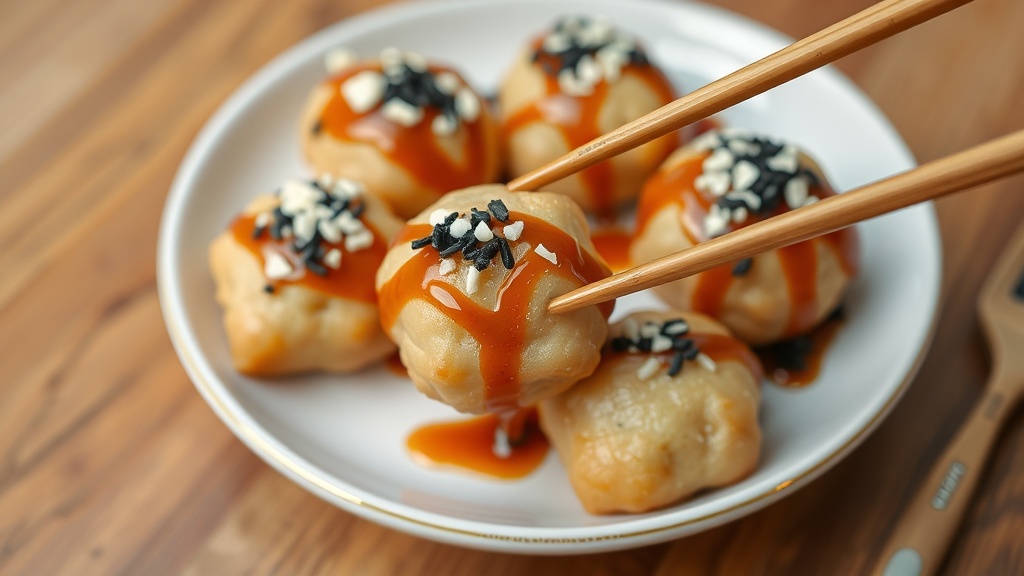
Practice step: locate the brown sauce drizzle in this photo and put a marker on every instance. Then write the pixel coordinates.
(577, 119)
(354, 280)
(501, 332)
(415, 148)
(799, 262)
(797, 362)
(469, 444)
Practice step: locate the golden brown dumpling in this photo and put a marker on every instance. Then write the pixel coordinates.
(295, 276)
(572, 84)
(725, 180)
(464, 292)
(409, 129)
(671, 409)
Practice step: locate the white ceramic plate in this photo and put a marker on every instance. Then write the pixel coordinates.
(343, 438)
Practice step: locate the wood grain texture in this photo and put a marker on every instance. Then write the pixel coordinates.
(110, 463)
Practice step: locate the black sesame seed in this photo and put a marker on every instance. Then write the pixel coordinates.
(358, 210)
(439, 238)
(491, 248)
(497, 207)
(506, 254)
(691, 352)
(682, 344)
(422, 242)
(258, 231)
(317, 127)
(316, 268)
(621, 344)
(742, 267)
(477, 217)
(268, 288)
(644, 344)
(677, 363)
(481, 263)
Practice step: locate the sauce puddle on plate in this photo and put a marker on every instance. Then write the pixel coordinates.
(469, 444)
(796, 363)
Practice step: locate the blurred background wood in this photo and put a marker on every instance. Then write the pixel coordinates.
(111, 463)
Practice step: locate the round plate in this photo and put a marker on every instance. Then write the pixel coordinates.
(342, 438)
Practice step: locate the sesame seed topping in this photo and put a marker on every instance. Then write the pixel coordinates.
(459, 228)
(483, 232)
(363, 91)
(513, 231)
(648, 369)
(582, 52)
(546, 254)
(472, 281)
(748, 175)
(438, 216)
(706, 362)
(447, 266)
(359, 241)
(276, 266)
(401, 112)
(671, 336)
(333, 258)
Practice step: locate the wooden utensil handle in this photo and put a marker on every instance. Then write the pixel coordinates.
(920, 539)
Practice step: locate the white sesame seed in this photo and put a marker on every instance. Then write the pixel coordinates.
(676, 328)
(447, 266)
(660, 343)
(588, 70)
(744, 147)
(276, 266)
(811, 200)
(706, 141)
(390, 56)
(483, 232)
(416, 61)
(612, 62)
(401, 112)
(447, 82)
(739, 215)
(348, 224)
(744, 175)
(796, 192)
(338, 59)
(546, 254)
(720, 159)
(438, 216)
(472, 280)
(513, 231)
(262, 219)
(467, 105)
(649, 330)
(304, 226)
(753, 201)
(785, 161)
(333, 258)
(297, 196)
(347, 188)
(649, 368)
(363, 91)
(572, 86)
(459, 228)
(706, 362)
(443, 125)
(329, 230)
(555, 43)
(716, 222)
(358, 241)
(326, 180)
(715, 183)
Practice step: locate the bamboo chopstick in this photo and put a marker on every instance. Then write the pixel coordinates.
(875, 23)
(974, 166)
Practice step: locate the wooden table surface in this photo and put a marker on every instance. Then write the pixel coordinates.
(110, 462)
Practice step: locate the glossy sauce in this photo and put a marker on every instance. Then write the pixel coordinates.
(500, 332)
(353, 280)
(576, 117)
(799, 262)
(469, 444)
(415, 148)
(612, 243)
(782, 361)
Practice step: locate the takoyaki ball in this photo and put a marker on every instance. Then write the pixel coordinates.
(671, 409)
(572, 84)
(295, 276)
(725, 180)
(464, 292)
(409, 129)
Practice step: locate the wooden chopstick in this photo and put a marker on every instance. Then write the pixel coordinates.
(974, 166)
(875, 23)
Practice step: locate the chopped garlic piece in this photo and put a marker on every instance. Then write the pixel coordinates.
(438, 216)
(363, 91)
(472, 280)
(276, 266)
(483, 232)
(333, 258)
(459, 228)
(447, 267)
(513, 231)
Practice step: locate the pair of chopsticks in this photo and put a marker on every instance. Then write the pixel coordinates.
(972, 167)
